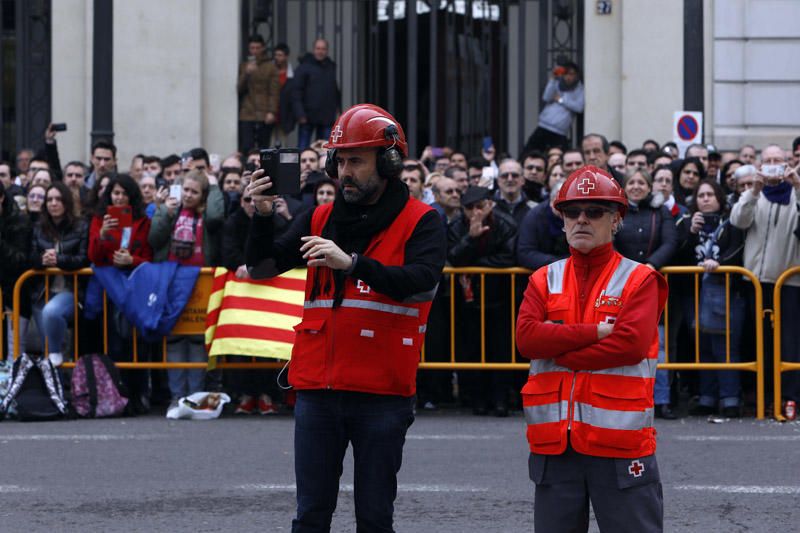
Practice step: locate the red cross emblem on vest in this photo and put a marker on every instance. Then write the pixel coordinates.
(337, 134)
(636, 469)
(362, 287)
(586, 186)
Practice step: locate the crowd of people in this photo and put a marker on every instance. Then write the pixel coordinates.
(708, 208)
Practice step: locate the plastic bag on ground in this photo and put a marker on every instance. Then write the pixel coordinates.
(199, 406)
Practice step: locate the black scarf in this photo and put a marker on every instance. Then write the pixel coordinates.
(352, 227)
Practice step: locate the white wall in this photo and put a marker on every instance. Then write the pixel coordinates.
(756, 72)
(602, 70)
(175, 65)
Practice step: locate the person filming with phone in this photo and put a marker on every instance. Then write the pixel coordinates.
(374, 258)
(768, 212)
(562, 99)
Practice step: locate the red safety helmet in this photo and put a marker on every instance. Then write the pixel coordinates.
(367, 125)
(591, 184)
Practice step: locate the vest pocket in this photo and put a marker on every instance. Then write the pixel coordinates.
(543, 408)
(308, 354)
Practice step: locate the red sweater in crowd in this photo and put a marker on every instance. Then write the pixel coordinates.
(101, 250)
(576, 346)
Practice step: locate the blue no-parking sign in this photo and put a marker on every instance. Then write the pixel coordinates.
(687, 128)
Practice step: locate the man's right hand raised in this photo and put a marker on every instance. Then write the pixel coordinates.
(259, 185)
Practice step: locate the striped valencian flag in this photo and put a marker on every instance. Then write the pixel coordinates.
(254, 317)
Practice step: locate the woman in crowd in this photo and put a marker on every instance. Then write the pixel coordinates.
(125, 248)
(555, 175)
(728, 180)
(187, 231)
(712, 242)
(15, 237)
(94, 197)
(60, 240)
(648, 236)
(690, 172)
(35, 202)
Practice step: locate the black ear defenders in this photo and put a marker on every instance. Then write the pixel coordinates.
(389, 161)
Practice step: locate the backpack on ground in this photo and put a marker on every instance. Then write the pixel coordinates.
(97, 390)
(35, 390)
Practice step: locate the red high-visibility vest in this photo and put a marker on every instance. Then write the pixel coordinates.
(370, 343)
(609, 413)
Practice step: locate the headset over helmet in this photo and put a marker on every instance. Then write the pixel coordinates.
(591, 184)
(365, 126)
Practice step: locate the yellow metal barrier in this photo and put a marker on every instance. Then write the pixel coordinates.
(756, 366)
(191, 322)
(779, 365)
(512, 363)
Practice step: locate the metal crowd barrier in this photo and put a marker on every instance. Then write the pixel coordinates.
(780, 365)
(757, 365)
(197, 327)
(188, 324)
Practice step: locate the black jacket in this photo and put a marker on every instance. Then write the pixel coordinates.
(315, 93)
(536, 245)
(518, 211)
(494, 248)
(728, 252)
(71, 251)
(234, 238)
(648, 235)
(15, 241)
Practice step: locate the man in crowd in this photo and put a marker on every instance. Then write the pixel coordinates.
(460, 176)
(458, 159)
(413, 177)
(172, 170)
(595, 152)
(151, 165)
(285, 119)
(768, 211)
(563, 98)
(448, 199)
(636, 160)
(589, 325)
(198, 160)
(104, 161)
(259, 87)
(747, 154)
(24, 157)
(541, 235)
(74, 179)
(509, 197)
(355, 377)
(700, 152)
(617, 162)
(35, 165)
(316, 98)
(571, 161)
(533, 171)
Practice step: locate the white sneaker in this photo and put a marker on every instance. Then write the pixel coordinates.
(56, 358)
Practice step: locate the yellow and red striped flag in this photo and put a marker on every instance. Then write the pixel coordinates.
(254, 317)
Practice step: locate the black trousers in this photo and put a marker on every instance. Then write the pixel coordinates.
(625, 494)
(541, 140)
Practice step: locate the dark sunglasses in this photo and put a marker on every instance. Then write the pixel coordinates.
(512, 175)
(247, 199)
(592, 213)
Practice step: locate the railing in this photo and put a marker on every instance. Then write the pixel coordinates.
(756, 366)
(780, 366)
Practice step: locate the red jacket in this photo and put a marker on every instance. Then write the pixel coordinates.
(600, 390)
(370, 343)
(101, 250)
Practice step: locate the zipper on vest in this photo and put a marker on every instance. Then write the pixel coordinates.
(571, 408)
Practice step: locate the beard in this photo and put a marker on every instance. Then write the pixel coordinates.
(361, 193)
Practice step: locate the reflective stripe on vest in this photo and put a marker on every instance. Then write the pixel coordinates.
(540, 366)
(612, 419)
(555, 277)
(550, 412)
(364, 304)
(646, 368)
(620, 277)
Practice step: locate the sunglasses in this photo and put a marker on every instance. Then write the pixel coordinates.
(512, 175)
(592, 213)
(247, 199)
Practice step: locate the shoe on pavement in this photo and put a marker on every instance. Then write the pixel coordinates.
(701, 410)
(664, 411)
(246, 406)
(265, 405)
(731, 412)
(56, 358)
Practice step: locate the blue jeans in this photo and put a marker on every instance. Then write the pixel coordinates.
(189, 349)
(661, 389)
(52, 319)
(325, 422)
(304, 132)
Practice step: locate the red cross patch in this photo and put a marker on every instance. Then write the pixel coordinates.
(636, 469)
(337, 134)
(586, 186)
(362, 287)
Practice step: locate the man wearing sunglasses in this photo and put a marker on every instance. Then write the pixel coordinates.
(589, 325)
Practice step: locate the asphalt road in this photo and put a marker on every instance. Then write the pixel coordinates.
(461, 473)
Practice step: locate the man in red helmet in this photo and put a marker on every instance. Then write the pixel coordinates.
(589, 325)
(374, 259)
